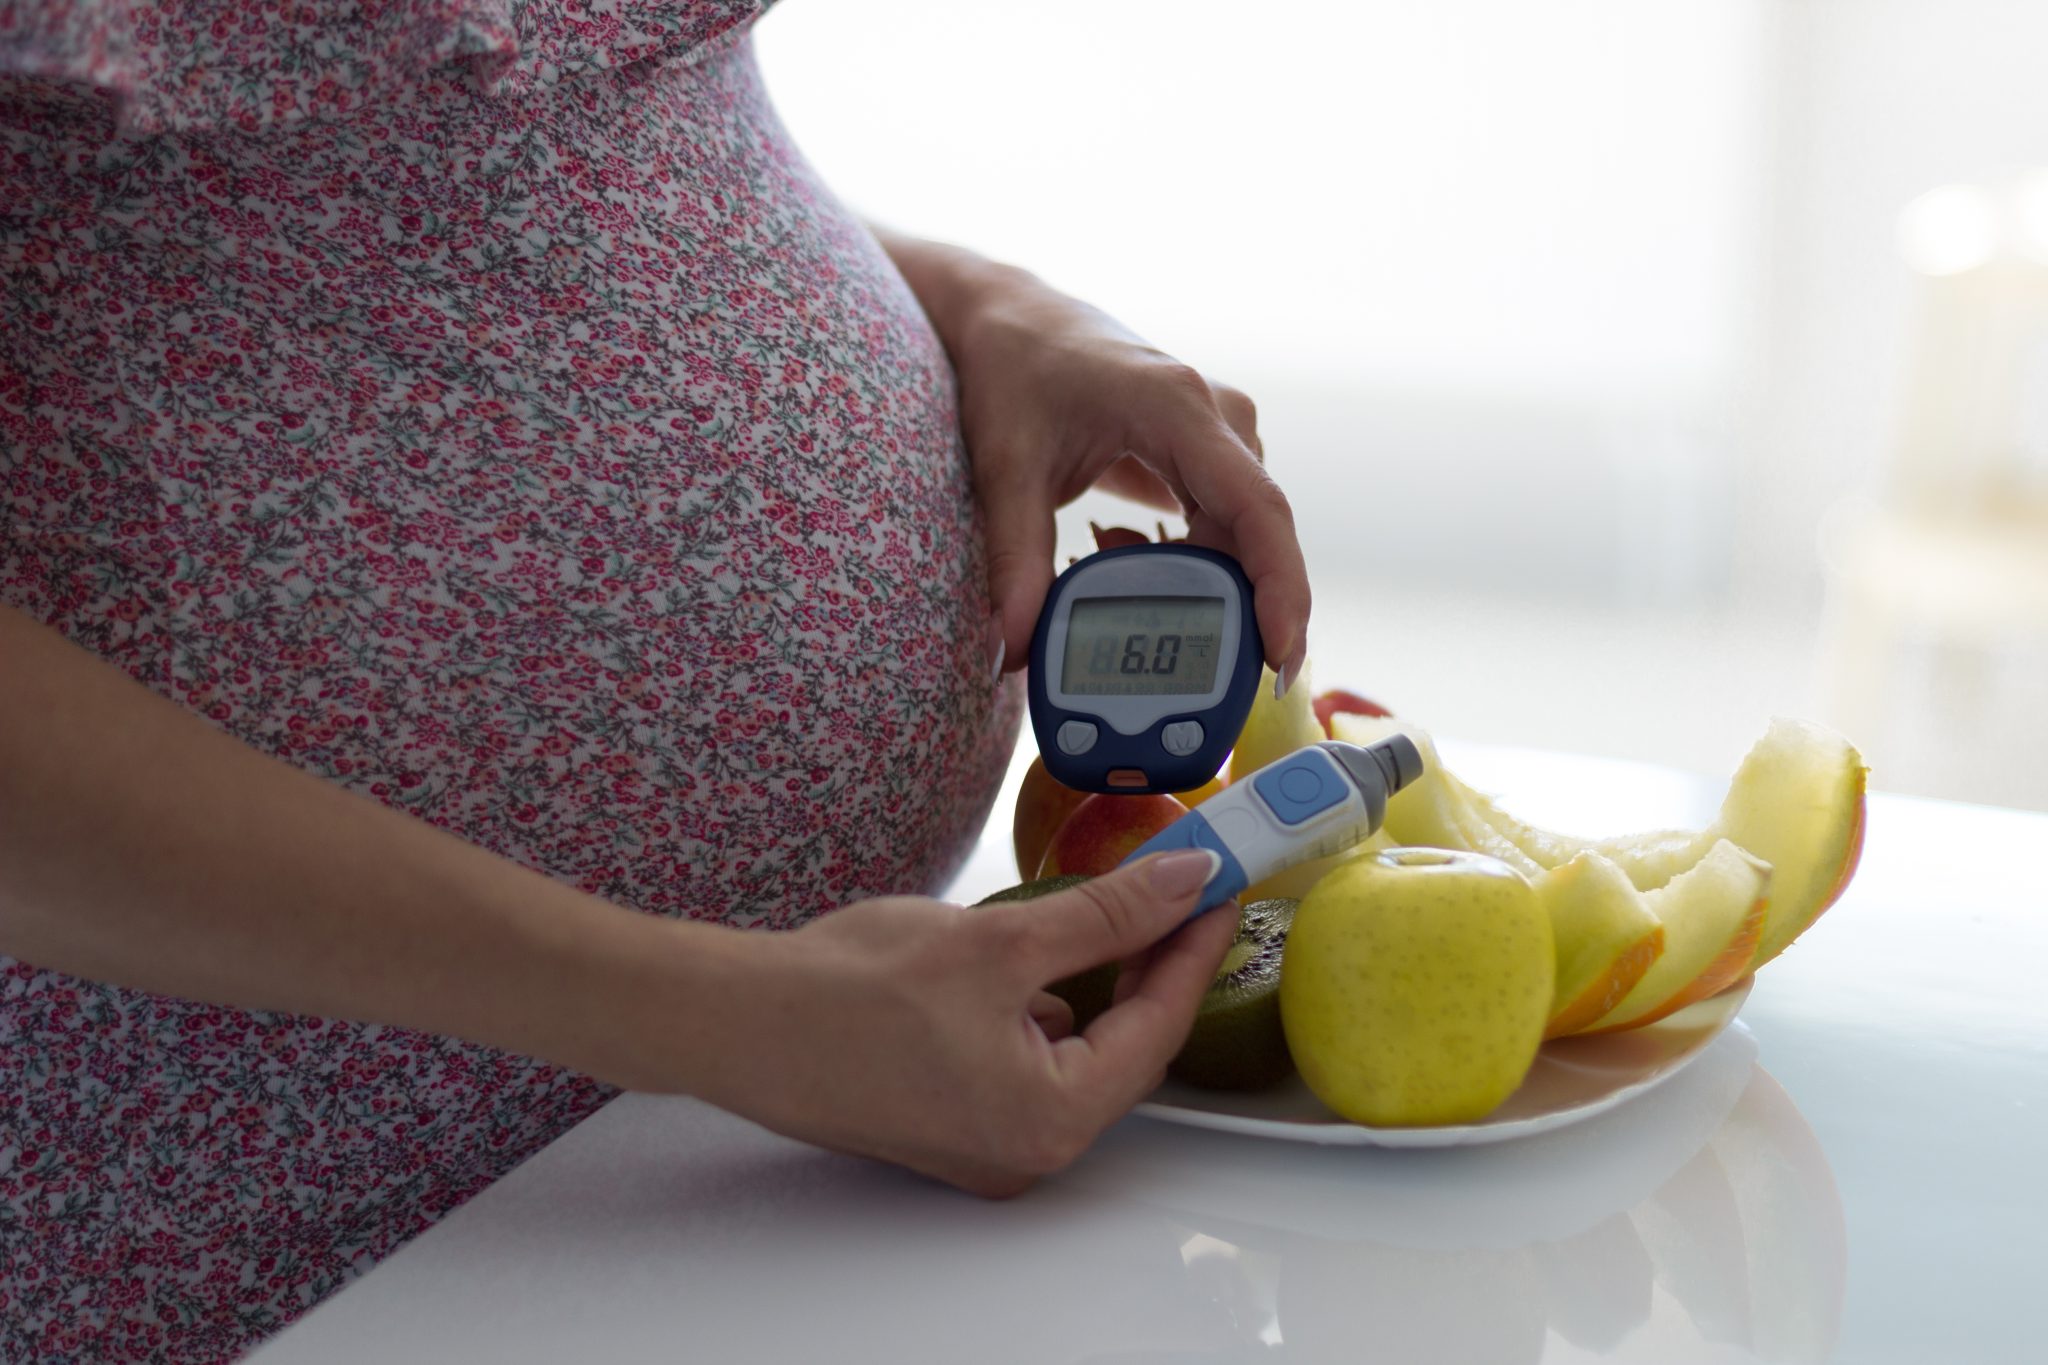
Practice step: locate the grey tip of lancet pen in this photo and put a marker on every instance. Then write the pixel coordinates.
(1394, 761)
(1400, 761)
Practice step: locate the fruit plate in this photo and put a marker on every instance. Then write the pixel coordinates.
(1571, 1080)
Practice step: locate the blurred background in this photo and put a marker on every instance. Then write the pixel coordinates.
(1638, 372)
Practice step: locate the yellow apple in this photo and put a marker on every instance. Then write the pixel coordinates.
(1712, 922)
(1415, 986)
(1711, 914)
(1605, 936)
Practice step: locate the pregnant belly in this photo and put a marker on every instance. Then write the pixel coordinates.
(624, 530)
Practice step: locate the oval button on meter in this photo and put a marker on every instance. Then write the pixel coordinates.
(1143, 667)
(1181, 737)
(1076, 737)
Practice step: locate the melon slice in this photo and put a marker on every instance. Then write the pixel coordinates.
(1275, 727)
(1649, 859)
(1712, 915)
(1797, 802)
(1605, 937)
(1429, 812)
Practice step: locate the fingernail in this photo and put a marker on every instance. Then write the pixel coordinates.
(997, 646)
(1285, 679)
(1180, 874)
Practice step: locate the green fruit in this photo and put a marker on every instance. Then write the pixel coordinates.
(1237, 1042)
(1031, 891)
(1086, 993)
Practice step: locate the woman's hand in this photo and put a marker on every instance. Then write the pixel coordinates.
(1057, 398)
(921, 1033)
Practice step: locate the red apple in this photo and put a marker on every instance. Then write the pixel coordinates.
(1340, 702)
(1043, 805)
(1104, 830)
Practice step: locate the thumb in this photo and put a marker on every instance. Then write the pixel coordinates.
(1018, 516)
(1109, 917)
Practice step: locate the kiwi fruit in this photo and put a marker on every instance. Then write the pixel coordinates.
(1086, 993)
(1237, 1042)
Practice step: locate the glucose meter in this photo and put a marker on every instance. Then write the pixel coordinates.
(1143, 667)
(1314, 803)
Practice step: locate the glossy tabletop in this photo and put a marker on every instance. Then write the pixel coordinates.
(1854, 1173)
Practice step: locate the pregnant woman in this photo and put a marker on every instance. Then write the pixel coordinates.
(464, 481)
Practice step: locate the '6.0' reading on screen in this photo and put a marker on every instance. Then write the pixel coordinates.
(1142, 646)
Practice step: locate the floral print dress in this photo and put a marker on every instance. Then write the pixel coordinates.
(480, 404)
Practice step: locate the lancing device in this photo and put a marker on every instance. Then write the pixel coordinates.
(1313, 803)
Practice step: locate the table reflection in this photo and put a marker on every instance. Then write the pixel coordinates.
(1699, 1222)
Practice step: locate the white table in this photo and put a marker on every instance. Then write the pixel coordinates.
(1859, 1177)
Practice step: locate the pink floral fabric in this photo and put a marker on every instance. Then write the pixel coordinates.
(481, 404)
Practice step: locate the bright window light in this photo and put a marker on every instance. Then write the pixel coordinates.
(1949, 230)
(1467, 193)
(2030, 202)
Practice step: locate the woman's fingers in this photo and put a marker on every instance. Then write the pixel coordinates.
(1242, 416)
(1133, 911)
(1104, 919)
(1119, 1058)
(1057, 398)
(1193, 446)
(1195, 442)
(1129, 478)
(1054, 1016)
(896, 1031)
(1017, 511)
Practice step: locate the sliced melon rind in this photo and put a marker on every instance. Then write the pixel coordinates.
(1797, 802)
(1604, 935)
(1711, 915)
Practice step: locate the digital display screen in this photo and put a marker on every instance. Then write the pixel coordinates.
(1142, 646)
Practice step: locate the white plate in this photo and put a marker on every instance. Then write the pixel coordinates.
(1572, 1080)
